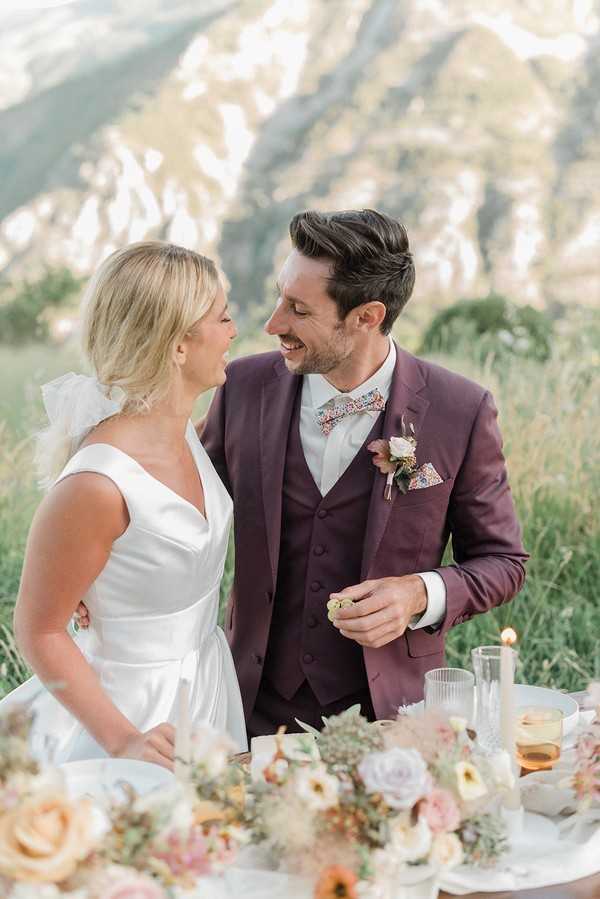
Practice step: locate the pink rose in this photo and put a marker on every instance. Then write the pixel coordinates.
(382, 459)
(440, 811)
(445, 733)
(186, 853)
(125, 883)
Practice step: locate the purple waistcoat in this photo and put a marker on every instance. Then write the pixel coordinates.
(320, 553)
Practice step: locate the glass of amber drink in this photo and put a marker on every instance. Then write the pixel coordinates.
(538, 737)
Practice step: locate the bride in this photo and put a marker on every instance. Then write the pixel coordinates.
(135, 521)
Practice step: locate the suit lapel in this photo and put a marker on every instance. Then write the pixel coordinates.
(404, 400)
(277, 405)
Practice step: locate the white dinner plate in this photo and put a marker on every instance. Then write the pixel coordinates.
(101, 778)
(553, 699)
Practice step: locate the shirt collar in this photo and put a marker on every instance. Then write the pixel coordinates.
(321, 391)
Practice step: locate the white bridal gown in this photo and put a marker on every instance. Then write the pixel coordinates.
(153, 611)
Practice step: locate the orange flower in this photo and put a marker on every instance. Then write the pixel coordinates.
(336, 882)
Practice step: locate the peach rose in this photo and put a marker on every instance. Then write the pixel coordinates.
(44, 838)
(205, 810)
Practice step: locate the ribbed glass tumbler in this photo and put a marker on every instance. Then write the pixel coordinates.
(451, 691)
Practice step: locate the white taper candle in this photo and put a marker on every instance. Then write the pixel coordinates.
(512, 799)
(183, 734)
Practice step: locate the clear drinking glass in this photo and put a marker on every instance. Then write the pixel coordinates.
(538, 737)
(486, 665)
(450, 690)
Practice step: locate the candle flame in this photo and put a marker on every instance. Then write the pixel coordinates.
(508, 636)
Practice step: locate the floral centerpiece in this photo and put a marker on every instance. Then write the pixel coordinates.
(376, 805)
(52, 846)
(380, 802)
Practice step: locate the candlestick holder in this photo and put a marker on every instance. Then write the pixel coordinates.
(486, 665)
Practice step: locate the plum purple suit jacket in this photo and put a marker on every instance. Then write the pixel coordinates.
(245, 435)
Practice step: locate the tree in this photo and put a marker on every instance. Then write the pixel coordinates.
(487, 326)
(23, 306)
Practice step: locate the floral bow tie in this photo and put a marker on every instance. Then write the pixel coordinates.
(368, 402)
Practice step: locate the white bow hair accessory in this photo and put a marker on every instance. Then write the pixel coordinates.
(77, 403)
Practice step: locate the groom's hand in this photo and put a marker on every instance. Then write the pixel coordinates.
(382, 609)
(82, 616)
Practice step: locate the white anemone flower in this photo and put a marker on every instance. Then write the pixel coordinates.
(318, 789)
(470, 781)
(501, 770)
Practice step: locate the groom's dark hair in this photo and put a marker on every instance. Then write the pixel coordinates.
(370, 255)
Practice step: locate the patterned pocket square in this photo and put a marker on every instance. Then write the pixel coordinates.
(425, 476)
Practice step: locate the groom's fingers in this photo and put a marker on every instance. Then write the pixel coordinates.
(365, 623)
(81, 615)
(373, 603)
(356, 592)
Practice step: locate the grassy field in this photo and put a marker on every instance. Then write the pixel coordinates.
(549, 418)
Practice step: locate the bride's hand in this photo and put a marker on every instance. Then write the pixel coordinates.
(155, 745)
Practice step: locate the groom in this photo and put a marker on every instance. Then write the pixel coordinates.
(289, 434)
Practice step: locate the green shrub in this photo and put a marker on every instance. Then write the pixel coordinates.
(490, 326)
(24, 307)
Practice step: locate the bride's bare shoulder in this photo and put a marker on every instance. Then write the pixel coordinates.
(85, 500)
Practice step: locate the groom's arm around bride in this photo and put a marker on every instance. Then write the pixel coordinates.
(289, 434)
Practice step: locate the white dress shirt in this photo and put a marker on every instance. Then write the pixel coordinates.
(329, 456)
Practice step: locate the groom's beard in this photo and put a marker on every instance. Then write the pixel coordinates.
(323, 360)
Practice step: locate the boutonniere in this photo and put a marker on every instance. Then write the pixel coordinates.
(397, 459)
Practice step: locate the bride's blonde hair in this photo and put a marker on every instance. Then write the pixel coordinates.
(138, 304)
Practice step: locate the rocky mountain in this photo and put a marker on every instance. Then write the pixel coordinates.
(210, 123)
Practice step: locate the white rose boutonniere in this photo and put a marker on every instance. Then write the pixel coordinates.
(396, 458)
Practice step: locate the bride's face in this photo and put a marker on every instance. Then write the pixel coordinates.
(207, 346)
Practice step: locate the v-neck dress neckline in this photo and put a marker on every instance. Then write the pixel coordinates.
(195, 456)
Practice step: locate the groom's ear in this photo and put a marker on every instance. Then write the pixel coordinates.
(369, 316)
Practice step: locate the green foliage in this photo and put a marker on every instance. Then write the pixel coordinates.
(24, 307)
(18, 498)
(490, 326)
(484, 839)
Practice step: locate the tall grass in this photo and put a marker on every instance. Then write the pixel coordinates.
(549, 419)
(18, 499)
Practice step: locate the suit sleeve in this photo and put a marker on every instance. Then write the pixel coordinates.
(488, 553)
(211, 431)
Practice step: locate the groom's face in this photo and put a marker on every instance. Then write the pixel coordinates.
(312, 338)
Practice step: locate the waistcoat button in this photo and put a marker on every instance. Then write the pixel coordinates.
(316, 586)
(322, 513)
(319, 550)
(312, 621)
(308, 658)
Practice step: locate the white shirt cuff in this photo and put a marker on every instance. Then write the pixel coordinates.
(436, 601)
